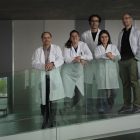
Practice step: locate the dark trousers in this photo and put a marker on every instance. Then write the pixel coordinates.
(49, 110)
(105, 103)
(129, 77)
(74, 100)
(89, 99)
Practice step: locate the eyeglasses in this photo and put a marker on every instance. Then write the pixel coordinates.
(104, 36)
(46, 37)
(126, 18)
(94, 20)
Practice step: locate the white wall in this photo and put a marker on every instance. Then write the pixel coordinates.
(60, 30)
(137, 24)
(27, 37)
(114, 27)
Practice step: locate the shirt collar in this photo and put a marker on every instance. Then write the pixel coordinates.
(46, 49)
(124, 29)
(75, 48)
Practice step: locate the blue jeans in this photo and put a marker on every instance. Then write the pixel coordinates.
(103, 102)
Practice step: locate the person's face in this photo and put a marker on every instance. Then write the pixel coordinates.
(74, 38)
(104, 38)
(46, 39)
(126, 20)
(94, 23)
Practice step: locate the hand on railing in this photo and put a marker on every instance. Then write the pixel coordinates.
(49, 66)
(77, 59)
(84, 63)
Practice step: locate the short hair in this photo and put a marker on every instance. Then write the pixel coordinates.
(44, 33)
(102, 32)
(127, 14)
(89, 19)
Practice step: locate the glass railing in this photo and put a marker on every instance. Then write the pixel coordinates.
(73, 94)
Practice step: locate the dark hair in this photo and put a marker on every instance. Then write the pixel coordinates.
(102, 32)
(44, 33)
(127, 14)
(89, 19)
(68, 43)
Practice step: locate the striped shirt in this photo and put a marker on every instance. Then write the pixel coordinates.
(47, 54)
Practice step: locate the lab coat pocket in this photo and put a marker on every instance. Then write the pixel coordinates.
(112, 73)
(54, 56)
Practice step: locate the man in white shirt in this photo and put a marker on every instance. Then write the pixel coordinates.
(91, 38)
(45, 58)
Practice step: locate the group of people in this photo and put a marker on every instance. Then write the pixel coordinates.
(94, 51)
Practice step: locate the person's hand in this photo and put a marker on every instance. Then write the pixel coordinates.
(84, 63)
(49, 66)
(77, 59)
(108, 54)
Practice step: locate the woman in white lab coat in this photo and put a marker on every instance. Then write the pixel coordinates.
(75, 54)
(107, 55)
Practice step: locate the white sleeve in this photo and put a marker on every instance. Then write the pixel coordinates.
(138, 50)
(66, 54)
(117, 54)
(36, 61)
(87, 55)
(115, 51)
(82, 38)
(119, 38)
(59, 58)
(118, 41)
(99, 55)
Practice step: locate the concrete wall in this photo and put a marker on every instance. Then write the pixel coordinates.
(5, 46)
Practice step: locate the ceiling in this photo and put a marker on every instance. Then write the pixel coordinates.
(67, 9)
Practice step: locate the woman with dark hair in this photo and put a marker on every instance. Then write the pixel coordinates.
(107, 55)
(76, 54)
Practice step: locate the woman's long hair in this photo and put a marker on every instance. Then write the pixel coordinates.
(102, 32)
(68, 43)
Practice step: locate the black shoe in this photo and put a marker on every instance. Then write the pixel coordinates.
(50, 125)
(135, 109)
(124, 109)
(100, 111)
(45, 120)
(44, 124)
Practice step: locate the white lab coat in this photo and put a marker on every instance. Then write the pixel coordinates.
(134, 40)
(72, 73)
(90, 69)
(106, 70)
(56, 86)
